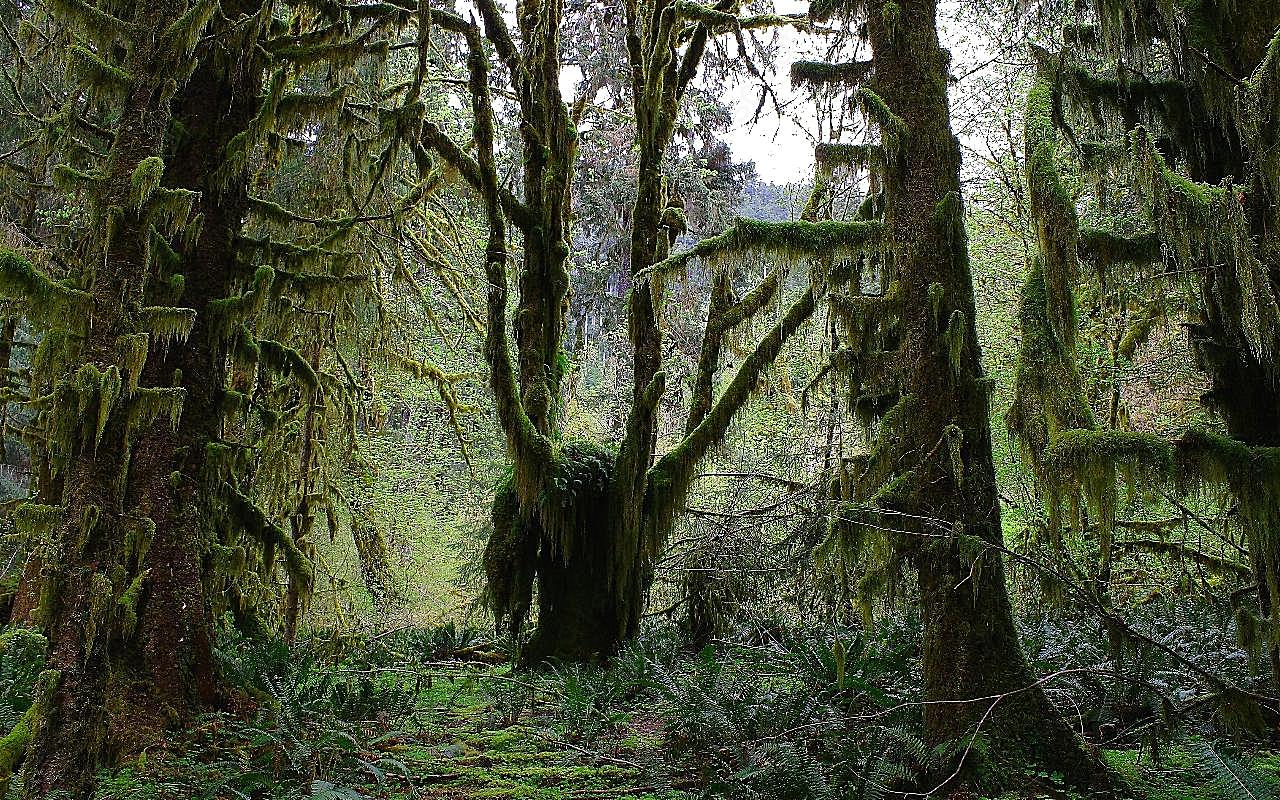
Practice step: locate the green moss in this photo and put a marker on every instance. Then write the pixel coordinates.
(35, 521)
(146, 178)
(1105, 248)
(289, 362)
(1092, 461)
(47, 302)
(785, 240)
(955, 338)
(821, 73)
(167, 324)
(128, 603)
(892, 127)
(95, 72)
(272, 536)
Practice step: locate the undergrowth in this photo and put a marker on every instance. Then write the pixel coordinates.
(773, 713)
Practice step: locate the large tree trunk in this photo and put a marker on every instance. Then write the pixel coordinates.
(83, 606)
(976, 678)
(168, 480)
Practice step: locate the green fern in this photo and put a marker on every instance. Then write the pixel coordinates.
(1235, 779)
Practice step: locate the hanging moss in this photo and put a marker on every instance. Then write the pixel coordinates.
(150, 403)
(821, 73)
(96, 392)
(1092, 461)
(96, 73)
(892, 127)
(35, 521)
(1141, 326)
(230, 313)
(47, 302)
(862, 156)
(1053, 210)
(89, 17)
(1081, 36)
(167, 324)
(789, 240)
(955, 338)
(510, 560)
(128, 603)
(288, 362)
(272, 536)
(1106, 249)
(825, 10)
(73, 181)
(146, 178)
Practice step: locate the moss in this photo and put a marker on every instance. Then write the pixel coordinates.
(1252, 476)
(35, 521)
(146, 178)
(89, 16)
(150, 403)
(863, 156)
(14, 745)
(510, 558)
(791, 240)
(95, 72)
(73, 181)
(167, 324)
(955, 338)
(1053, 211)
(1090, 462)
(271, 536)
(821, 73)
(827, 10)
(893, 129)
(96, 392)
(47, 302)
(936, 293)
(1140, 327)
(1105, 248)
(128, 603)
(289, 362)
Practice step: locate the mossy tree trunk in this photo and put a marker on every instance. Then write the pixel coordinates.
(1206, 112)
(976, 679)
(169, 480)
(91, 579)
(575, 520)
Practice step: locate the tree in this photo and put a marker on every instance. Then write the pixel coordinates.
(581, 521)
(187, 414)
(99, 333)
(1179, 118)
(924, 491)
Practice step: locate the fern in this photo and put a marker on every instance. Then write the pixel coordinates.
(1234, 779)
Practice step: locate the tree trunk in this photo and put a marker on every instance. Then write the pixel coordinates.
(168, 479)
(82, 601)
(975, 675)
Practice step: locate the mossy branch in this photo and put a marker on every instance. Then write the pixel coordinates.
(668, 481)
(257, 524)
(795, 240)
(821, 73)
(48, 302)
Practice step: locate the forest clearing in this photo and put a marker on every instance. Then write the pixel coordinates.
(639, 399)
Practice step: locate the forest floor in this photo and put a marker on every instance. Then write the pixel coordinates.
(467, 747)
(413, 725)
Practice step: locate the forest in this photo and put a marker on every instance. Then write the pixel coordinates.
(639, 399)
